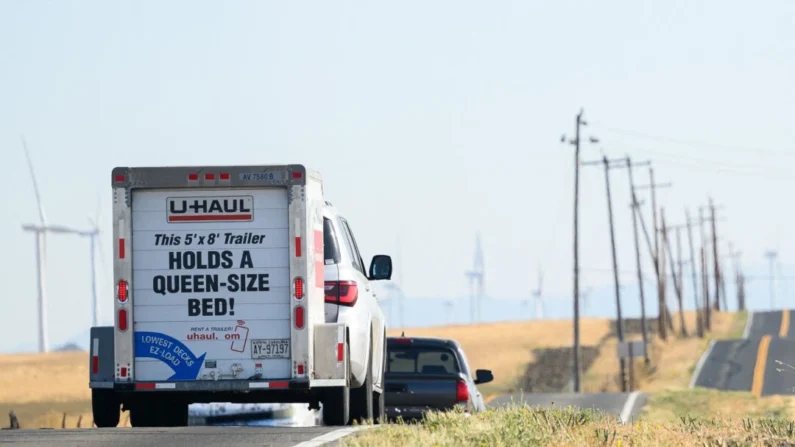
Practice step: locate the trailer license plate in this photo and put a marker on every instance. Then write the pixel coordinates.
(270, 349)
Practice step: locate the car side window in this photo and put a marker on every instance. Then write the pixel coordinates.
(331, 249)
(357, 257)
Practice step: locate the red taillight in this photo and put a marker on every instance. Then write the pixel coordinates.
(402, 340)
(297, 175)
(95, 365)
(300, 369)
(461, 391)
(193, 177)
(209, 176)
(224, 176)
(299, 317)
(122, 319)
(120, 178)
(123, 371)
(122, 291)
(299, 288)
(344, 293)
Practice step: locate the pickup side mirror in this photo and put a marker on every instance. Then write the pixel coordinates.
(483, 376)
(380, 268)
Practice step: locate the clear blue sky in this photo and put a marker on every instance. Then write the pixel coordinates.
(428, 120)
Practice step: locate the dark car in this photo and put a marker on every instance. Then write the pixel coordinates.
(430, 374)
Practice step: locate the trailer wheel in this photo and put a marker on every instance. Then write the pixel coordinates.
(105, 407)
(362, 397)
(337, 401)
(144, 414)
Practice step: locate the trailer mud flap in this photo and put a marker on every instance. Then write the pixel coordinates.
(331, 362)
(101, 363)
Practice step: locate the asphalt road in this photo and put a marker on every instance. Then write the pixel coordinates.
(184, 436)
(627, 406)
(775, 323)
(763, 362)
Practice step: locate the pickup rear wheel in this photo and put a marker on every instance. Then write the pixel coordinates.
(362, 397)
(105, 407)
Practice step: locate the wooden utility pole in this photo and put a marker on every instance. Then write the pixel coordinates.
(694, 267)
(635, 210)
(578, 123)
(619, 319)
(664, 320)
(665, 316)
(704, 282)
(715, 256)
(680, 291)
(576, 358)
(735, 255)
(704, 272)
(675, 276)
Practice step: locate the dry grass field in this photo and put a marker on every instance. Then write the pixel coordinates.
(41, 388)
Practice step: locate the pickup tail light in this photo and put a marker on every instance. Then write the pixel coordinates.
(461, 391)
(344, 293)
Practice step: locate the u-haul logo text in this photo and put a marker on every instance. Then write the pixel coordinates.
(210, 209)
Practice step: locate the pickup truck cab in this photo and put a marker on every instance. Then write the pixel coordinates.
(430, 374)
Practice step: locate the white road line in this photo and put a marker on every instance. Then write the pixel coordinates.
(332, 436)
(700, 363)
(748, 324)
(628, 406)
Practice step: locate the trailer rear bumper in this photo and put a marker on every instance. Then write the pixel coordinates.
(330, 367)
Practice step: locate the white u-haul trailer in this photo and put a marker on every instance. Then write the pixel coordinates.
(219, 296)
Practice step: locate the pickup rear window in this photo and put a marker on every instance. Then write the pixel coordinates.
(422, 360)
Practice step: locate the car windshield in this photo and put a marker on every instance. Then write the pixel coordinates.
(410, 359)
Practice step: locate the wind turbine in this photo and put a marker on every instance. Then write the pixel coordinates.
(476, 275)
(40, 232)
(539, 302)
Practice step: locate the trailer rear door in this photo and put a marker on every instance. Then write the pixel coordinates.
(211, 283)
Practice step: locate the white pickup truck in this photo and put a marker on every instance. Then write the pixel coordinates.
(236, 284)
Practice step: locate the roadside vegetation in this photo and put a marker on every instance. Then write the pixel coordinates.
(510, 350)
(525, 426)
(41, 388)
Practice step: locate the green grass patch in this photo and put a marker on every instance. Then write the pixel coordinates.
(514, 426)
(672, 405)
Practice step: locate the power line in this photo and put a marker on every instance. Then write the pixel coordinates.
(705, 144)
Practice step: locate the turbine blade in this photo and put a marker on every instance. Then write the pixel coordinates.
(42, 217)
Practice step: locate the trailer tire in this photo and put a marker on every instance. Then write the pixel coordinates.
(105, 408)
(337, 400)
(362, 397)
